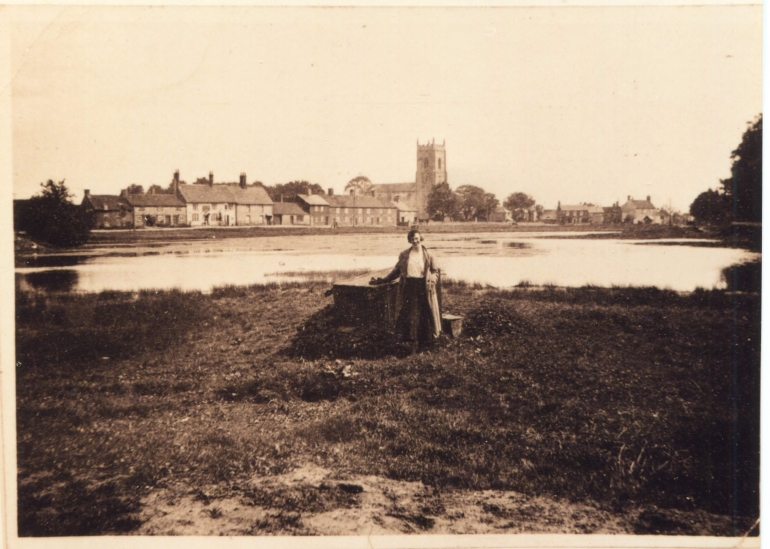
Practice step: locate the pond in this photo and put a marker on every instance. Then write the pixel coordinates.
(485, 258)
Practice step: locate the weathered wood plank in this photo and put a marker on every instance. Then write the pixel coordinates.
(357, 303)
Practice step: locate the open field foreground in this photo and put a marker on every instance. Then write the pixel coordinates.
(248, 411)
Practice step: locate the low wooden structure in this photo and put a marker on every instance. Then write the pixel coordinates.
(358, 303)
(452, 325)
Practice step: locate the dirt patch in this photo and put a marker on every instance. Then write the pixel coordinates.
(312, 500)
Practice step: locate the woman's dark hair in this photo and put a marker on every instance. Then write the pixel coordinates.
(412, 233)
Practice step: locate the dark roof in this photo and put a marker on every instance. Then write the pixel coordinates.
(348, 201)
(104, 202)
(395, 187)
(287, 208)
(227, 193)
(158, 200)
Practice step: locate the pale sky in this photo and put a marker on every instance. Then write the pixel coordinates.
(580, 104)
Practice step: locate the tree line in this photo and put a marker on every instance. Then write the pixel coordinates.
(739, 197)
(473, 203)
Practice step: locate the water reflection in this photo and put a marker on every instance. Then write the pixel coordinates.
(494, 259)
(36, 261)
(59, 280)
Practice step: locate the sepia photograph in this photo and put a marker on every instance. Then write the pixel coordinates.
(384, 276)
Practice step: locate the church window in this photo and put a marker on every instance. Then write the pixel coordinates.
(425, 163)
(395, 198)
(439, 163)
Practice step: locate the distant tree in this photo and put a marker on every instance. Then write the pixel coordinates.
(490, 203)
(744, 188)
(711, 207)
(442, 202)
(289, 191)
(472, 201)
(157, 189)
(519, 204)
(52, 218)
(133, 188)
(360, 185)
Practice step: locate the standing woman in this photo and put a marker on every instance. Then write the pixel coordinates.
(419, 317)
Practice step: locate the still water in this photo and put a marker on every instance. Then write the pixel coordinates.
(494, 259)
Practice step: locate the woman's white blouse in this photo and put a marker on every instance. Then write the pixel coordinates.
(415, 268)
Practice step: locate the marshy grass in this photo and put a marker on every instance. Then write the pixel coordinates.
(324, 275)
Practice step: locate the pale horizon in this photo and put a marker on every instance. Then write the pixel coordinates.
(588, 104)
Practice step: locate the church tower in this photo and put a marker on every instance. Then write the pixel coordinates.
(431, 170)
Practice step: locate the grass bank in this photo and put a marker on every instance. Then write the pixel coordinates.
(148, 236)
(630, 398)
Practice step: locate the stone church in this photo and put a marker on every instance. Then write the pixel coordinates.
(411, 198)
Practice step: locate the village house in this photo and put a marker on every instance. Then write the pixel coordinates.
(501, 215)
(109, 211)
(289, 213)
(361, 210)
(595, 214)
(225, 204)
(572, 214)
(405, 214)
(155, 210)
(316, 207)
(640, 211)
(549, 216)
(580, 213)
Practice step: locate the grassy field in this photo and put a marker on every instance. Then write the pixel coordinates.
(633, 399)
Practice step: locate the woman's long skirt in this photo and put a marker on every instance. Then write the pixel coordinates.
(413, 322)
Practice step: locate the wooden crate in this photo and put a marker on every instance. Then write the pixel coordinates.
(357, 303)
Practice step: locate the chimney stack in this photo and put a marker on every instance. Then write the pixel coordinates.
(629, 198)
(648, 198)
(211, 179)
(175, 185)
(243, 180)
(331, 191)
(87, 192)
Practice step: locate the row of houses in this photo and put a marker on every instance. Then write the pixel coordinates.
(633, 211)
(234, 204)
